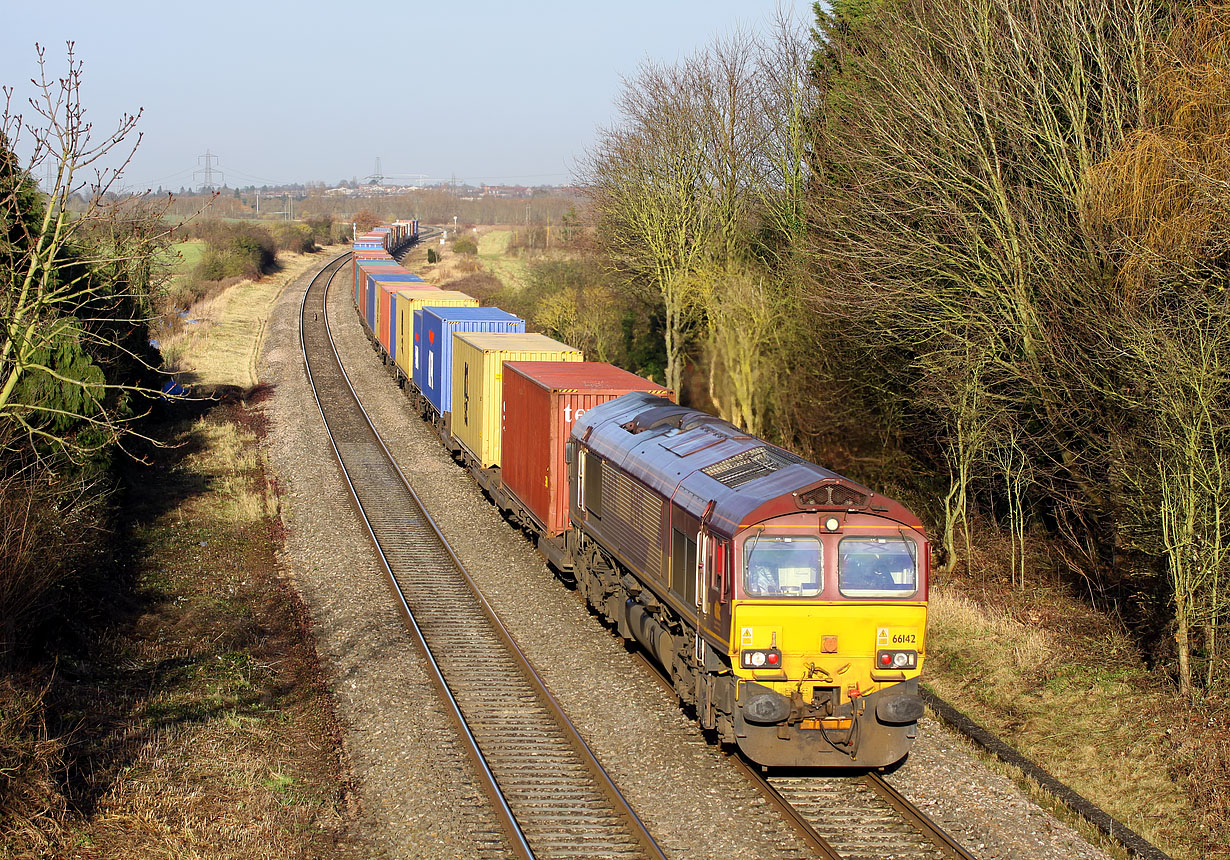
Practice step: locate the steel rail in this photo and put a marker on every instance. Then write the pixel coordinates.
(919, 819)
(490, 787)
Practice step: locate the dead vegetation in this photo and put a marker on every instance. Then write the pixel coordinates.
(1068, 686)
(192, 721)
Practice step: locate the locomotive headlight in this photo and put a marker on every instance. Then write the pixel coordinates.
(897, 659)
(769, 658)
(832, 524)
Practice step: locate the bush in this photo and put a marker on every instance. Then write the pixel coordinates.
(366, 219)
(322, 228)
(465, 245)
(432, 256)
(295, 238)
(341, 231)
(234, 250)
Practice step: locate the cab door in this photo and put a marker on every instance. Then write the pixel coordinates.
(714, 575)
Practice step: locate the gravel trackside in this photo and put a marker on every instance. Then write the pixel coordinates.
(413, 795)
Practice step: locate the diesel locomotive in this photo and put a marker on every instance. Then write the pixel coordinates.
(787, 603)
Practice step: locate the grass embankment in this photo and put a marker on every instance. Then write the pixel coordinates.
(222, 335)
(214, 735)
(191, 721)
(1067, 688)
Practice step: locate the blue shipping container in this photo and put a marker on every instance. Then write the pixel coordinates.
(433, 345)
(370, 310)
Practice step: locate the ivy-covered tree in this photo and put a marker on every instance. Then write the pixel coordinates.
(76, 277)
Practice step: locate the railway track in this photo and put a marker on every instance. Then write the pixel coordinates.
(845, 816)
(550, 792)
(856, 817)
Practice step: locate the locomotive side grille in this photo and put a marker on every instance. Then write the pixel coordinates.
(750, 465)
(633, 517)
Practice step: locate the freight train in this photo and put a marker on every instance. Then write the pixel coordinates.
(786, 603)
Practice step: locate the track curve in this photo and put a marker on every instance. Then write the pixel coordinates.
(551, 793)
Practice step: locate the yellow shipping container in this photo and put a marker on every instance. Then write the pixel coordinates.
(478, 384)
(410, 300)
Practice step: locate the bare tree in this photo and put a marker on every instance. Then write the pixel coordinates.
(952, 154)
(78, 272)
(646, 179)
(698, 196)
(746, 313)
(1163, 198)
(787, 107)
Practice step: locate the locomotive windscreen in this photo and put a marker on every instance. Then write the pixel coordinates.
(778, 566)
(877, 567)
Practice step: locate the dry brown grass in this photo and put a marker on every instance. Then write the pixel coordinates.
(33, 809)
(1068, 688)
(216, 739)
(221, 347)
(192, 723)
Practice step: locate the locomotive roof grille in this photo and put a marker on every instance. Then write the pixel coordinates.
(833, 495)
(749, 465)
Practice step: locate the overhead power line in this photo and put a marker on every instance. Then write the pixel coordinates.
(208, 171)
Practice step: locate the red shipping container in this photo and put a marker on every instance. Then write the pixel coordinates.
(542, 399)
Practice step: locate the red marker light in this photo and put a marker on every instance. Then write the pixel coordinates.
(886, 659)
(774, 659)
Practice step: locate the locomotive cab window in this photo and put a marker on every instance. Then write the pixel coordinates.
(877, 567)
(779, 566)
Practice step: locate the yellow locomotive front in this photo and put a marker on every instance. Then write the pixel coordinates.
(827, 638)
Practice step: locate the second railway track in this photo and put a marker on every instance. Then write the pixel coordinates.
(553, 795)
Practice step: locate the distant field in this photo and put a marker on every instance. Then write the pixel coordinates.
(494, 242)
(185, 255)
(493, 254)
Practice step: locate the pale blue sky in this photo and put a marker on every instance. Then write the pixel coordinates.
(315, 91)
